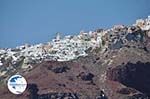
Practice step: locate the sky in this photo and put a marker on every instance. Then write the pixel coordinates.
(37, 21)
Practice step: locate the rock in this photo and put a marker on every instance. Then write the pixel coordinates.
(33, 90)
(135, 36)
(33, 94)
(86, 76)
(101, 96)
(126, 91)
(117, 45)
(138, 96)
(132, 75)
(59, 69)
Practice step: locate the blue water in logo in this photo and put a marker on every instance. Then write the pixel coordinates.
(13, 80)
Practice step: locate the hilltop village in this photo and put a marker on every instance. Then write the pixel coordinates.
(71, 47)
(59, 49)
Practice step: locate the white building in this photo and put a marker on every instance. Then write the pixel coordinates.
(1, 63)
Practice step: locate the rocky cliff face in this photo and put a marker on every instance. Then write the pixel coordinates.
(109, 75)
(132, 75)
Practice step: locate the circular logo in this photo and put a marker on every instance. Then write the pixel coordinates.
(17, 84)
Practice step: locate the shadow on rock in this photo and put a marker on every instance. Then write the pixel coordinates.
(136, 76)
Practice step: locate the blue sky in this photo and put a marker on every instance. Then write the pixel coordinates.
(37, 21)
